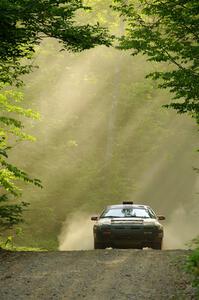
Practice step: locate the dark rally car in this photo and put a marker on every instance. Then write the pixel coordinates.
(128, 225)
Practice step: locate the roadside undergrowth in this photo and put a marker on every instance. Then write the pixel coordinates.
(192, 265)
(8, 243)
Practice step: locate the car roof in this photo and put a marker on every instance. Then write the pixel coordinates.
(128, 206)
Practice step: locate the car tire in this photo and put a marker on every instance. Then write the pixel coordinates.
(157, 245)
(98, 245)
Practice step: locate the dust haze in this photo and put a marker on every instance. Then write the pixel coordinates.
(76, 233)
(181, 229)
(104, 138)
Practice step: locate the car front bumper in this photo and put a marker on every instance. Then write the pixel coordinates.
(127, 236)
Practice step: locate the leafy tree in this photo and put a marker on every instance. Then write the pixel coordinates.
(167, 32)
(23, 25)
(11, 131)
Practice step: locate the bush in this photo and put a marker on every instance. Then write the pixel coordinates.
(193, 264)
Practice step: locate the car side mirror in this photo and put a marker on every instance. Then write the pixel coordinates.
(94, 218)
(161, 218)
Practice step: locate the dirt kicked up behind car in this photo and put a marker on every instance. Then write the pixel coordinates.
(128, 225)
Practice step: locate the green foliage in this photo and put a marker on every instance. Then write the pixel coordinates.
(167, 32)
(23, 24)
(8, 243)
(192, 265)
(11, 132)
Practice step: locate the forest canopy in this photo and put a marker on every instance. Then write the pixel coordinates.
(23, 24)
(167, 32)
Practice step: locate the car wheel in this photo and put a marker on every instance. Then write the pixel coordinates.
(98, 245)
(157, 245)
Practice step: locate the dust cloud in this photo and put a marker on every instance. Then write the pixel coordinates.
(181, 229)
(76, 233)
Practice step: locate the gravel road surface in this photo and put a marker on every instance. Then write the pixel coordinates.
(95, 275)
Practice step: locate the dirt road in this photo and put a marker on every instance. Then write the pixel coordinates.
(94, 275)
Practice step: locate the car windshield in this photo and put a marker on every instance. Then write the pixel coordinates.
(127, 212)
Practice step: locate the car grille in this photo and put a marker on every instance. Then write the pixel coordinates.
(128, 227)
(126, 221)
